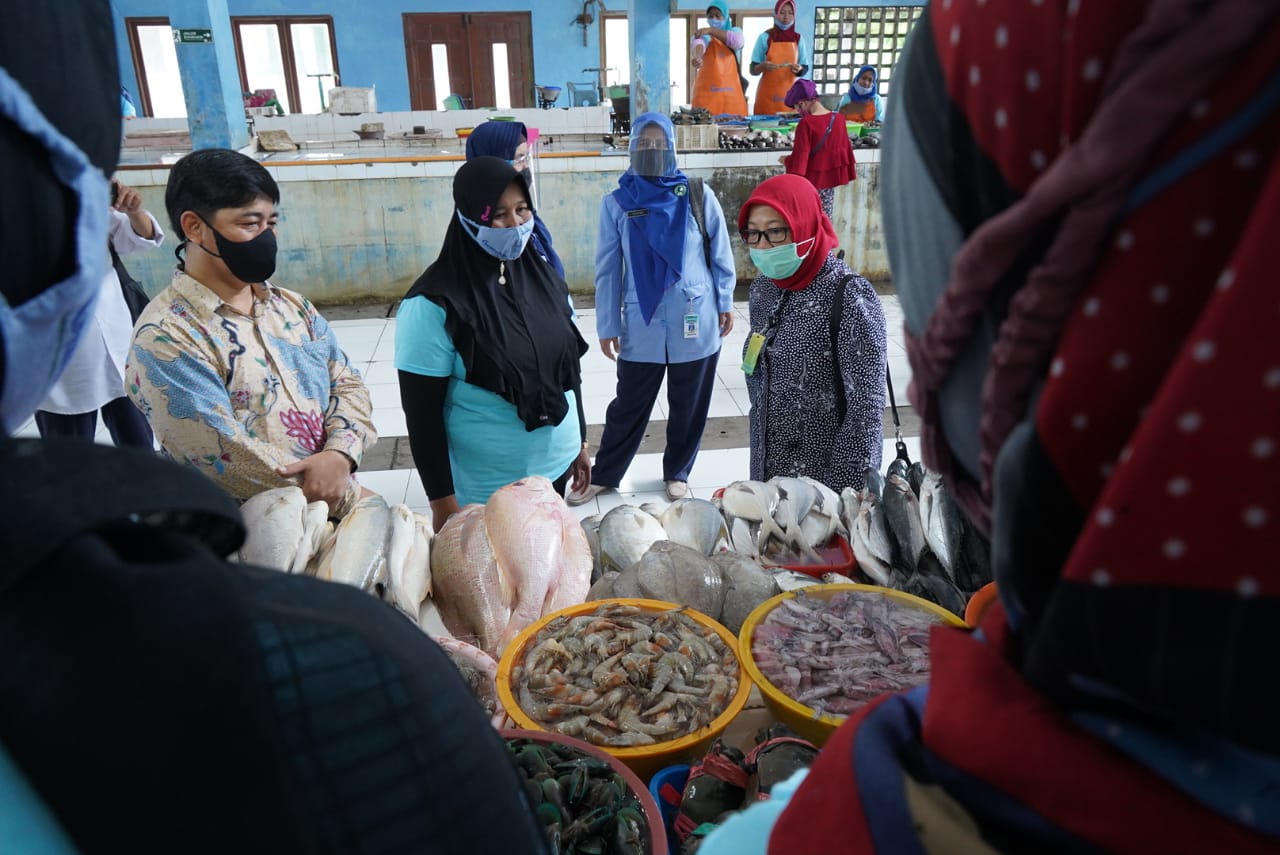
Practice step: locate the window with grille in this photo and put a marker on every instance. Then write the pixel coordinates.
(847, 37)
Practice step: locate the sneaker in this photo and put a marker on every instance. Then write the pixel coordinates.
(677, 490)
(593, 490)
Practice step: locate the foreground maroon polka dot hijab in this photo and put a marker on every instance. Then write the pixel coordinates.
(1082, 204)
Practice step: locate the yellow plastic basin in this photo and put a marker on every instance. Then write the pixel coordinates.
(804, 719)
(644, 760)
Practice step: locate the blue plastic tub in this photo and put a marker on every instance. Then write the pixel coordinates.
(666, 786)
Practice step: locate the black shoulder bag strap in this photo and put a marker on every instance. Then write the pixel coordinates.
(899, 446)
(696, 197)
(134, 295)
(831, 123)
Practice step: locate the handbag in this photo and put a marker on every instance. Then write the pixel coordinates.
(134, 295)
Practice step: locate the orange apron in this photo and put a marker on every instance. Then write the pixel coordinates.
(718, 86)
(774, 84)
(860, 111)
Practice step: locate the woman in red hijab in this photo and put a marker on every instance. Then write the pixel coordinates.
(1083, 239)
(815, 358)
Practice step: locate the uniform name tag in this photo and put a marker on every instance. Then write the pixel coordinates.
(690, 326)
(755, 343)
(638, 212)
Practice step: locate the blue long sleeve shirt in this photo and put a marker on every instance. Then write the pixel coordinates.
(703, 292)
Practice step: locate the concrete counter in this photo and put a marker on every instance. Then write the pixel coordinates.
(361, 223)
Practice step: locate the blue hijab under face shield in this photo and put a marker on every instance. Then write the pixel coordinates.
(40, 334)
(653, 156)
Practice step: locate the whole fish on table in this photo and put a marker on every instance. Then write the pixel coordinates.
(316, 531)
(468, 589)
(695, 523)
(626, 533)
(746, 586)
(751, 503)
(591, 528)
(902, 512)
(359, 555)
(944, 527)
(872, 546)
(274, 523)
(680, 575)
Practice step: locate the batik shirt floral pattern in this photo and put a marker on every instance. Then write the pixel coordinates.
(236, 396)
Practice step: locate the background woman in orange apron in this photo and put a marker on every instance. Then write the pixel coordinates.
(781, 56)
(718, 86)
(862, 103)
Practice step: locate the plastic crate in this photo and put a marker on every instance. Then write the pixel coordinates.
(697, 137)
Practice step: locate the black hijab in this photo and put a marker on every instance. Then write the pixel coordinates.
(518, 339)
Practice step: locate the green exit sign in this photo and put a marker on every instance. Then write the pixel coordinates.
(193, 37)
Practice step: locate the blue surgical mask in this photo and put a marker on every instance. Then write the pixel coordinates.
(779, 262)
(718, 23)
(783, 26)
(40, 335)
(862, 90)
(505, 244)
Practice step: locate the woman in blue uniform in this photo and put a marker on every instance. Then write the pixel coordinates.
(664, 300)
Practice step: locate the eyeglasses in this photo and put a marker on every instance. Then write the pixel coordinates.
(775, 235)
(519, 162)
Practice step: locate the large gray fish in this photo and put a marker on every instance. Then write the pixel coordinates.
(602, 589)
(678, 574)
(872, 546)
(902, 512)
(591, 528)
(944, 526)
(627, 583)
(654, 509)
(746, 585)
(626, 533)
(796, 498)
(695, 523)
(753, 502)
(975, 569)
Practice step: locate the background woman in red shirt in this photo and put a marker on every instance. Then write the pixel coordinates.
(820, 149)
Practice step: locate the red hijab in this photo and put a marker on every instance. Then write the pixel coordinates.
(796, 199)
(792, 33)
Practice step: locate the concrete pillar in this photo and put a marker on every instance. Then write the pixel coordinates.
(210, 78)
(650, 35)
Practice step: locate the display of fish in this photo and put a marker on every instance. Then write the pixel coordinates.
(275, 522)
(359, 554)
(902, 512)
(626, 533)
(823, 519)
(746, 586)
(316, 530)
(695, 523)
(677, 574)
(873, 482)
(468, 589)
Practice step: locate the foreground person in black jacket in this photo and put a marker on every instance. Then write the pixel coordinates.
(154, 698)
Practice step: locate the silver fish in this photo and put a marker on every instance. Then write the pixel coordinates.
(316, 530)
(915, 476)
(680, 575)
(654, 509)
(790, 580)
(871, 543)
(754, 502)
(626, 533)
(747, 585)
(930, 582)
(943, 525)
(796, 497)
(602, 589)
(823, 519)
(275, 522)
(898, 466)
(695, 523)
(359, 556)
(902, 512)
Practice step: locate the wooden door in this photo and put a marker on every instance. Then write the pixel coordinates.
(468, 42)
